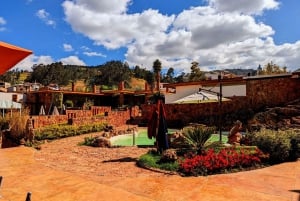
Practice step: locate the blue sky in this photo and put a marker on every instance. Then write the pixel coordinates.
(218, 34)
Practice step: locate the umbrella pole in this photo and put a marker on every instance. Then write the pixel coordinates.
(220, 108)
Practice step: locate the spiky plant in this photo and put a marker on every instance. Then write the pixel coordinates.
(196, 136)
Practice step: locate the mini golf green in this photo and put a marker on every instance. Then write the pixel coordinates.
(142, 138)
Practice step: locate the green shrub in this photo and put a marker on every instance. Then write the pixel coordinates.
(88, 141)
(197, 135)
(276, 143)
(295, 147)
(69, 103)
(152, 159)
(60, 131)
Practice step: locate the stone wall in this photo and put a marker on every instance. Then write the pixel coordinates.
(95, 115)
(273, 91)
(179, 115)
(261, 93)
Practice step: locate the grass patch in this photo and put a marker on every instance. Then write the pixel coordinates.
(152, 160)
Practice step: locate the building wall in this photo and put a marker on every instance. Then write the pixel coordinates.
(228, 90)
(9, 96)
(81, 117)
(260, 93)
(181, 91)
(273, 91)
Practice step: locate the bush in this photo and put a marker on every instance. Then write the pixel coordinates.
(60, 131)
(228, 159)
(88, 141)
(197, 135)
(15, 122)
(295, 147)
(152, 159)
(279, 144)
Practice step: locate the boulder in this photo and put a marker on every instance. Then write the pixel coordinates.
(102, 142)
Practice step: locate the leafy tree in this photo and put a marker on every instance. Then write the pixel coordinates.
(272, 68)
(196, 74)
(169, 77)
(157, 70)
(138, 72)
(112, 73)
(149, 77)
(180, 78)
(11, 76)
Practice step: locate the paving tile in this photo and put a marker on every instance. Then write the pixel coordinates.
(22, 173)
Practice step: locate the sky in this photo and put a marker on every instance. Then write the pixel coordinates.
(218, 34)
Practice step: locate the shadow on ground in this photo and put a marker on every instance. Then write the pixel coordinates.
(125, 159)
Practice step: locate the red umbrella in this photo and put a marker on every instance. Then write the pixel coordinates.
(157, 127)
(10, 55)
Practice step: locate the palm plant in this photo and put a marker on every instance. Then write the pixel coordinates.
(196, 136)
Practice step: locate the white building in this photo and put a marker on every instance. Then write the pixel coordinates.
(230, 88)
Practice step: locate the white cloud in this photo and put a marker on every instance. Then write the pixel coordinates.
(72, 60)
(94, 54)
(222, 34)
(244, 6)
(85, 48)
(111, 6)
(68, 47)
(113, 30)
(31, 60)
(2, 23)
(45, 17)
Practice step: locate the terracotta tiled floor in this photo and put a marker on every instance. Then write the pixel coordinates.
(23, 173)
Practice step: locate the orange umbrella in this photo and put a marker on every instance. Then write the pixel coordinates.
(10, 55)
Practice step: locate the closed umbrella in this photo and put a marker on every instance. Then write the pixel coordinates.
(42, 110)
(10, 55)
(55, 111)
(162, 133)
(157, 127)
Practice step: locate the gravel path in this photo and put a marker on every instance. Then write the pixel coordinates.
(105, 165)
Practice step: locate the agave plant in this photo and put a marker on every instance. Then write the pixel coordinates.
(197, 135)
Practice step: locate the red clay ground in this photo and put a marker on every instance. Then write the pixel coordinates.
(100, 164)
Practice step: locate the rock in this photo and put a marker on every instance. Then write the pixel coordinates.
(296, 120)
(102, 142)
(277, 118)
(106, 135)
(169, 155)
(176, 140)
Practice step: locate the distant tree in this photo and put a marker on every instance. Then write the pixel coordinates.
(196, 73)
(272, 68)
(180, 78)
(157, 69)
(11, 76)
(139, 72)
(169, 76)
(112, 73)
(149, 77)
(51, 73)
